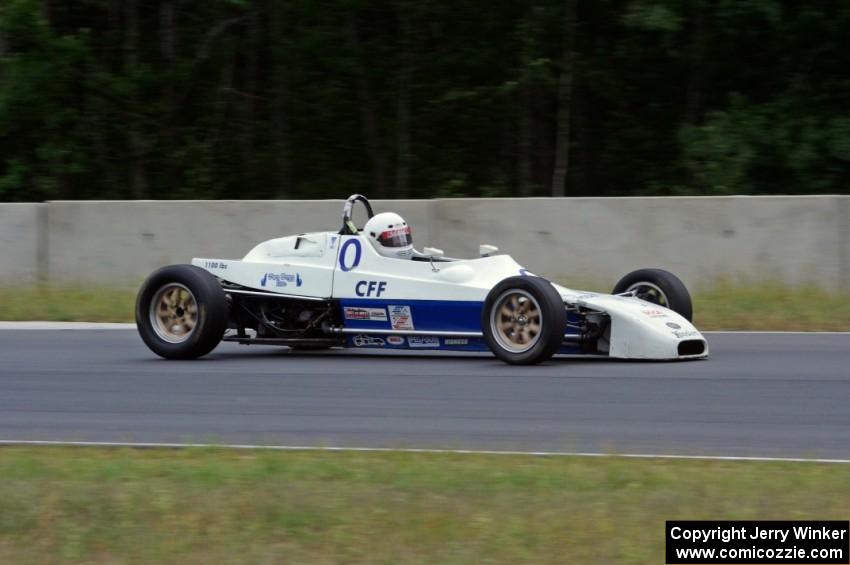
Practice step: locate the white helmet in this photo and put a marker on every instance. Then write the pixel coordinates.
(390, 235)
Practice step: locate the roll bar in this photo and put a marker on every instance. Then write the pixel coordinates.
(348, 227)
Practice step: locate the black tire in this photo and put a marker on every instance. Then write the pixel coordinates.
(208, 321)
(674, 295)
(552, 320)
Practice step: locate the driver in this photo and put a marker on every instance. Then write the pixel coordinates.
(390, 235)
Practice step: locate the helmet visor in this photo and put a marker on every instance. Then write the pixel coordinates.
(398, 237)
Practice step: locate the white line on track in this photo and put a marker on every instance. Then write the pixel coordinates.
(158, 445)
(44, 326)
(65, 326)
(755, 332)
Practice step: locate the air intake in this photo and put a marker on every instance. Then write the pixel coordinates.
(691, 347)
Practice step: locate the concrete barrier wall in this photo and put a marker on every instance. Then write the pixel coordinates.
(790, 239)
(122, 242)
(22, 243)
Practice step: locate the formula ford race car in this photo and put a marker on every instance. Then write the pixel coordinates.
(336, 289)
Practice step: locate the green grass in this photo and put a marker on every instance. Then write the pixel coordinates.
(722, 306)
(69, 304)
(771, 306)
(220, 506)
(765, 306)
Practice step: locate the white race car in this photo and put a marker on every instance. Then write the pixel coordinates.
(336, 289)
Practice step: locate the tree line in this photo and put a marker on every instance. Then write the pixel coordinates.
(115, 99)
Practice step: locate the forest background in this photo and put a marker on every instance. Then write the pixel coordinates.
(262, 99)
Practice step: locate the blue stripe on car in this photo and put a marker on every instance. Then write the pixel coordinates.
(435, 315)
(428, 315)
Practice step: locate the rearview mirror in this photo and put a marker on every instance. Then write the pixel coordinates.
(486, 250)
(432, 252)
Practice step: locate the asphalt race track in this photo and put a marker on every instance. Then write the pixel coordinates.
(772, 395)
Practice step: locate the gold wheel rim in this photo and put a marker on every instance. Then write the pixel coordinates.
(516, 321)
(174, 313)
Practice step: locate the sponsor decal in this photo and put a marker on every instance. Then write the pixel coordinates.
(455, 341)
(654, 313)
(372, 314)
(370, 288)
(395, 340)
(362, 340)
(215, 265)
(389, 234)
(674, 325)
(332, 241)
(347, 263)
(685, 333)
(584, 295)
(423, 341)
(281, 279)
(400, 317)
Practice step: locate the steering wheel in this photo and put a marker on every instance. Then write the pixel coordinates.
(348, 227)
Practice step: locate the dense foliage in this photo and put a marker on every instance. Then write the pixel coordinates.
(420, 98)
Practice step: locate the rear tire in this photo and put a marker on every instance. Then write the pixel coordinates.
(181, 312)
(524, 320)
(659, 287)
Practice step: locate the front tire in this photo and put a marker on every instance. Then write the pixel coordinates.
(181, 312)
(524, 320)
(659, 287)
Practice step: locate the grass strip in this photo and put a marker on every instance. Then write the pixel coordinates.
(68, 304)
(722, 306)
(210, 505)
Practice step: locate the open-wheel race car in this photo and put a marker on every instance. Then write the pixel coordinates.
(370, 289)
